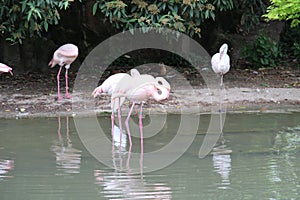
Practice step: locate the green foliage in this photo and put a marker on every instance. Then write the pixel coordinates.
(184, 16)
(29, 18)
(284, 10)
(20, 19)
(264, 52)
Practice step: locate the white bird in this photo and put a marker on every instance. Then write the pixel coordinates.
(109, 87)
(136, 87)
(220, 62)
(124, 83)
(139, 88)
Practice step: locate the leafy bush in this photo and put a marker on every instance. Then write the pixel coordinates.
(184, 16)
(284, 10)
(264, 52)
(23, 18)
(19, 19)
(290, 42)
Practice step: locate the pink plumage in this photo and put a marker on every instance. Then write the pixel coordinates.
(139, 88)
(135, 87)
(64, 56)
(5, 68)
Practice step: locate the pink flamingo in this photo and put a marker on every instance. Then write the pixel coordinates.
(138, 89)
(109, 87)
(5, 68)
(221, 62)
(64, 56)
(123, 85)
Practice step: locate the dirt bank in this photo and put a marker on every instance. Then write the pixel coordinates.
(198, 100)
(262, 90)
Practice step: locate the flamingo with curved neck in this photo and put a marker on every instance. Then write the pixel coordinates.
(139, 88)
(220, 62)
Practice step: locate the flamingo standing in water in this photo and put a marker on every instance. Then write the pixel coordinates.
(220, 62)
(135, 87)
(64, 56)
(5, 68)
(109, 87)
(138, 89)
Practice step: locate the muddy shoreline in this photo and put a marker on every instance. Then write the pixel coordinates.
(263, 90)
(194, 101)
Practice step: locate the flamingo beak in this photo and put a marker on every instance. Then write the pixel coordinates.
(11, 73)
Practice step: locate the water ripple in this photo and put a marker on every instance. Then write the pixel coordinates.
(120, 185)
(5, 167)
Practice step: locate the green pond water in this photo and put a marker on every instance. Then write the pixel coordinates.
(257, 157)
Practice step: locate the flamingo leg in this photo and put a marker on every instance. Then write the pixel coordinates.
(120, 119)
(220, 105)
(59, 97)
(127, 125)
(142, 161)
(142, 138)
(141, 126)
(112, 119)
(68, 96)
(128, 159)
(221, 82)
(221, 93)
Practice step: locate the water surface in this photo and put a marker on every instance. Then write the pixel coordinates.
(258, 157)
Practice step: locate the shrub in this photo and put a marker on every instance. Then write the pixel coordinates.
(290, 42)
(264, 52)
(184, 16)
(19, 19)
(284, 10)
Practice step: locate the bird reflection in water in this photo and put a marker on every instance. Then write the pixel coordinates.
(125, 182)
(5, 167)
(119, 152)
(68, 159)
(222, 164)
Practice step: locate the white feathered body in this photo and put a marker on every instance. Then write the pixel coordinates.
(109, 87)
(220, 62)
